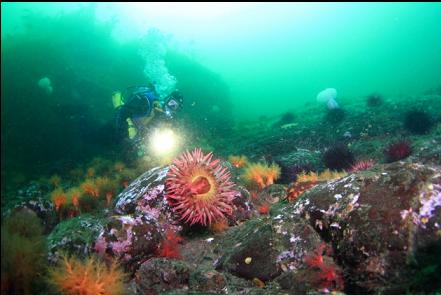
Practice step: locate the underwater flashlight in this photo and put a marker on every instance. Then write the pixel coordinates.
(163, 141)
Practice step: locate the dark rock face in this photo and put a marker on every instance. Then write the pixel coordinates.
(248, 252)
(296, 162)
(32, 197)
(146, 196)
(43, 208)
(149, 184)
(242, 206)
(159, 275)
(429, 152)
(130, 239)
(207, 281)
(374, 232)
(378, 226)
(272, 194)
(377, 222)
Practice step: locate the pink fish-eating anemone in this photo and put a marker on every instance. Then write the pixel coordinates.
(199, 189)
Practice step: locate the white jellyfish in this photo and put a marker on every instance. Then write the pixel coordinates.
(45, 84)
(328, 96)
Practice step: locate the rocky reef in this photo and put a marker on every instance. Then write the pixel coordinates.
(372, 232)
(288, 225)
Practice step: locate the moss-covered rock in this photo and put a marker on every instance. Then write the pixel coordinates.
(207, 281)
(74, 236)
(378, 222)
(247, 251)
(242, 206)
(272, 194)
(130, 239)
(158, 275)
(32, 197)
(297, 161)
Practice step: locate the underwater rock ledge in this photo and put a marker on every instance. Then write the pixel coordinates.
(374, 228)
(373, 232)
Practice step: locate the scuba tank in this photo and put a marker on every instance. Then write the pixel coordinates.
(117, 101)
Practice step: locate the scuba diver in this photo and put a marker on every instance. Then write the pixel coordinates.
(139, 109)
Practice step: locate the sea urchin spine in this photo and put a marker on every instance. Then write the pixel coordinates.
(362, 165)
(199, 189)
(398, 151)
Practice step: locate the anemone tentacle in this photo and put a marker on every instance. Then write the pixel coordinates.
(199, 189)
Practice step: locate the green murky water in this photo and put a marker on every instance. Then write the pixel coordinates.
(303, 86)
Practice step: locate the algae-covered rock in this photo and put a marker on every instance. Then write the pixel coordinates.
(158, 275)
(429, 149)
(295, 162)
(201, 255)
(43, 208)
(146, 196)
(32, 197)
(373, 232)
(263, 250)
(247, 252)
(74, 236)
(242, 206)
(130, 239)
(207, 281)
(378, 221)
(272, 194)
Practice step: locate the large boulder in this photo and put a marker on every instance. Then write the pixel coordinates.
(247, 252)
(150, 185)
(269, 251)
(209, 281)
(158, 275)
(131, 239)
(146, 196)
(296, 162)
(243, 208)
(380, 223)
(372, 232)
(43, 209)
(75, 236)
(33, 197)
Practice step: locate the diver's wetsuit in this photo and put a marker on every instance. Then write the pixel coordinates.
(138, 104)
